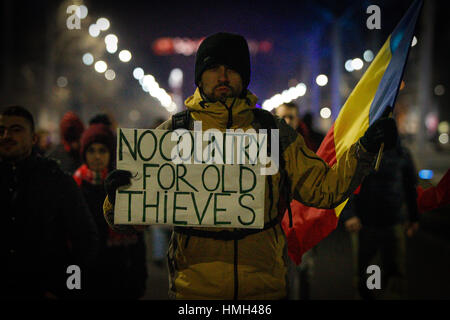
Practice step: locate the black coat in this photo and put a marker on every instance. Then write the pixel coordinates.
(46, 226)
(68, 161)
(385, 193)
(120, 272)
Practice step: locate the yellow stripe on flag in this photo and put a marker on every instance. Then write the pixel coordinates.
(353, 119)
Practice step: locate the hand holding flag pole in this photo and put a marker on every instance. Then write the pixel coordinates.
(382, 134)
(380, 152)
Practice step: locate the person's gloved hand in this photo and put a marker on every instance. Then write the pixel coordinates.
(114, 180)
(384, 130)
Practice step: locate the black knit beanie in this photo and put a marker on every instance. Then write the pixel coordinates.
(228, 49)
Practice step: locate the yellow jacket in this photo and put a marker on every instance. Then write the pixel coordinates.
(255, 267)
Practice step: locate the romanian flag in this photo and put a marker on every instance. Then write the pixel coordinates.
(376, 90)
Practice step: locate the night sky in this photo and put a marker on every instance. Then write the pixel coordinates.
(301, 33)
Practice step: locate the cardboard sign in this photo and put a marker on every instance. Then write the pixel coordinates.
(189, 193)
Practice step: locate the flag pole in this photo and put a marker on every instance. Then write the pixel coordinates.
(379, 157)
(380, 152)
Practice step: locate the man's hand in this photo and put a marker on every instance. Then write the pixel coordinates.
(113, 181)
(116, 179)
(353, 224)
(384, 130)
(411, 228)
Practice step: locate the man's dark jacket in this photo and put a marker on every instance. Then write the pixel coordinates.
(69, 161)
(384, 193)
(120, 271)
(46, 226)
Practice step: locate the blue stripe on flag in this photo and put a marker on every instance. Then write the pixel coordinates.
(400, 44)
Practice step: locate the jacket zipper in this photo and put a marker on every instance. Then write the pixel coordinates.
(230, 117)
(230, 113)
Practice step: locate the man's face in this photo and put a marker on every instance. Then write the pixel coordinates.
(16, 138)
(288, 114)
(97, 157)
(220, 83)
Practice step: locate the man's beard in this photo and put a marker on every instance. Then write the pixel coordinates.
(222, 96)
(15, 155)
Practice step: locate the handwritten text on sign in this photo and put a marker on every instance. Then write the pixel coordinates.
(201, 195)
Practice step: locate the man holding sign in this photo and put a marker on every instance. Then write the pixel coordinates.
(227, 241)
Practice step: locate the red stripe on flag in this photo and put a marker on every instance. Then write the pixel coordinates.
(327, 149)
(310, 226)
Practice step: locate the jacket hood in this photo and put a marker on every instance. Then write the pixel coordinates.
(216, 114)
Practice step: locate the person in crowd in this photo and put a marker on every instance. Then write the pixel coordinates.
(219, 263)
(43, 143)
(120, 271)
(67, 153)
(101, 118)
(105, 118)
(315, 138)
(47, 226)
(289, 112)
(378, 223)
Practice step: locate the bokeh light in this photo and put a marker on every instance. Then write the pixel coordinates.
(357, 64)
(176, 78)
(100, 66)
(348, 65)
(111, 39)
(322, 80)
(443, 138)
(134, 115)
(443, 127)
(368, 55)
(94, 30)
(103, 24)
(426, 174)
(62, 82)
(325, 113)
(439, 90)
(111, 48)
(110, 75)
(138, 73)
(125, 55)
(88, 59)
(82, 12)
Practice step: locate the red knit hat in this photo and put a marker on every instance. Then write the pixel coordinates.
(71, 127)
(98, 133)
